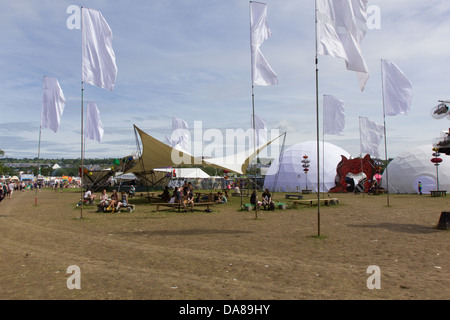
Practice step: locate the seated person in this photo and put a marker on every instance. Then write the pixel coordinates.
(165, 195)
(222, 198)
(123, 201)
(114, 200)
(254, 199)
(189, 201)
(104, 201)
(89, 197)
(267, 200)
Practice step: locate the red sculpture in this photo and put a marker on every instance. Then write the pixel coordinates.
(354, 166)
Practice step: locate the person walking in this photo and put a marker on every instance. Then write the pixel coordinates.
(420, 188)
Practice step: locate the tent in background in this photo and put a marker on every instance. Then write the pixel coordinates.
(407, 169)
(186, 173)
(289, 175)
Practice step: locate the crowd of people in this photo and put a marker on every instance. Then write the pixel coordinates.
(183, 195)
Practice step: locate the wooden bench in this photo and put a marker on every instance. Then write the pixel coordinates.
(180, 205)
(296, 196)
(439, 193)
(128, 208)
(311, 202)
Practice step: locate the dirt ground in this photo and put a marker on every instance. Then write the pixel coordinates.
(226, 254)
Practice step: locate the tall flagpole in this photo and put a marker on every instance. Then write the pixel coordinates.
(82, 107)
(82, 151)
(39, 166)
(317, 125)
(254, 147)
(385, 140)
(253, 108)
(39, 155)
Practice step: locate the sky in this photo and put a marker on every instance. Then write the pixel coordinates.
(191, 60)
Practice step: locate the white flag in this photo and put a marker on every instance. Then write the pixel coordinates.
(341, 27)
(371, 135)
(180, 134)
(94, 126)
(397, 89)
(260, 130)
(262, 73)
(53, 103)
(98, 58)
(333, 115)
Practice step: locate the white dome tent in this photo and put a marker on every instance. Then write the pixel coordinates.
(407, 169)
(290, 176)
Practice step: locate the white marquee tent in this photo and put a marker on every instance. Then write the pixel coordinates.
(407, 169)
(187, 173)
(289, 176)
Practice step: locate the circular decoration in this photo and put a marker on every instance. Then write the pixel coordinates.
(436, 160)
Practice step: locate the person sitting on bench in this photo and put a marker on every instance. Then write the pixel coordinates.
(89, 197)
(104, 202)
(254, 199)
(114, 200)
(189, 201)
(267, 201)
(123, 202)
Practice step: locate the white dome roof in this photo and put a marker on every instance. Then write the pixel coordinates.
(407, 169)
(290, 174)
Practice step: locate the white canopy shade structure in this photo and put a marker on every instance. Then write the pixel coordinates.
(156, 154)
(289, 175)
(186, 173)
(407, 169)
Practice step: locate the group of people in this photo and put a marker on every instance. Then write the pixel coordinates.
(267, 203)
(6, 190)
(113, 202)
(183, 195)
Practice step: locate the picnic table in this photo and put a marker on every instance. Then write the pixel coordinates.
(436, 193)
(311, 202)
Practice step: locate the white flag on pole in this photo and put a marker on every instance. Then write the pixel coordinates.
(94, 125)
(371, 135)
(262, 73)
(333, 115)
(397, 89)
(53, 103)
(180, 134)
(98, 58)
(341, 27)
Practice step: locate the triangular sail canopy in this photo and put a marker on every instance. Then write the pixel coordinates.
(156, 154)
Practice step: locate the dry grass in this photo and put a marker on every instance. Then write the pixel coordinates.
(226, 254)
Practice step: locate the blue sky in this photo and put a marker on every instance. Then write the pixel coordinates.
(191, 59)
